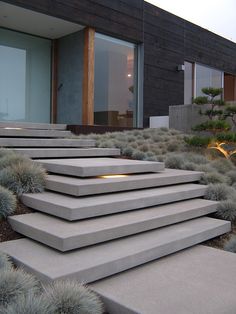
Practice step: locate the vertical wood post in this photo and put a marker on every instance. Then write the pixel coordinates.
(88, 77)
(54, 81)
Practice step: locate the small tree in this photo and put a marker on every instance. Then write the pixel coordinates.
(216, 116)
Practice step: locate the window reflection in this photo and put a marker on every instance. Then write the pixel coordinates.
(115, 82)
(207, 77)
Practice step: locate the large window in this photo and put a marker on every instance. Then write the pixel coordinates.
(196, 77)
(115, 84)
(25, 77)
(207, 77)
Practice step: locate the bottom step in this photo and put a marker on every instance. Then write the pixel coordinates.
(199, 280)
(102, 260)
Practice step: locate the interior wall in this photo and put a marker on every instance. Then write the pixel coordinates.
(229, 87)
(70, 78)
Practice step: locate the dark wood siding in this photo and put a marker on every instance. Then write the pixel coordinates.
(120, 18)
(169, 41)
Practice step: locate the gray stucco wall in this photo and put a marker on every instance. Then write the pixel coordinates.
(70, 78)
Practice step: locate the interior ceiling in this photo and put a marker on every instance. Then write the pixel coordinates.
(35, 23)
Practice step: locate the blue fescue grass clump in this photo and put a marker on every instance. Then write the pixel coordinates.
(227, 210)
(231, 244)
(30, 304)
(219, 192)
(23, 177)
(15, 284)
(7, 202)
(5, 263)
(70, 297)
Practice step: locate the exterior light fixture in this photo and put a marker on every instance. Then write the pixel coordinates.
(129, 75)
(113, 176)
(180, 67)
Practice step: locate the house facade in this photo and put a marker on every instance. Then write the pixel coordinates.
(102, 62)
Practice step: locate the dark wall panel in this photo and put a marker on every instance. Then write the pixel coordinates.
(120, 18)
(169, 41)
(164, 50)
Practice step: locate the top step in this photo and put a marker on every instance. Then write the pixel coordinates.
(19, 132)
(36, 126)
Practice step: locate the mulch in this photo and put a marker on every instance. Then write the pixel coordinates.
(6, 232)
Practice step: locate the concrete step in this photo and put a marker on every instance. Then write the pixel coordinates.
(63, 235)
(198, 280)
(67, 152)
(30, 125)
(89, 167)
(72, 208)
(11, 132)
(102, 260)
(91, 186)
(27, 142)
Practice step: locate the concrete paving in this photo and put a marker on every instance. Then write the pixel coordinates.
(33, 133)
(72, 208)
(30, 125)
(67, 152)
(199, 280)
(102, 260)
(89, 167)
(91, 186)
(64, 235)
(27, 142)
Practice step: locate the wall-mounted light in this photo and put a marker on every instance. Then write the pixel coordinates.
(180, 67)
(129, 75)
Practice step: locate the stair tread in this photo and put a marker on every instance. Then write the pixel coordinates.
(72, 208)
(86, 186)
(14, 132)
(67, 152)
(87, 167)
(32, 125)
(101, 260)
(197, 280)
(38, 142)
(64, 235)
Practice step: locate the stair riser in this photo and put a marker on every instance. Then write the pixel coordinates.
(109, 208)
(75, 242)
(107, 269)
(103, 187)
(69, 153)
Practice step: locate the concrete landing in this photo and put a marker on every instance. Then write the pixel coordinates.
(67, 152)
(27, 142)
(64, 235)
(91, 186)
(89, 167)
(199, 280)
(102, 260)
(72, 208)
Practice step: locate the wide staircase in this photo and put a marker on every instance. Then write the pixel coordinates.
(100, 216)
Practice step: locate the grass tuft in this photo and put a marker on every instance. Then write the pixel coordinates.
(73, 298)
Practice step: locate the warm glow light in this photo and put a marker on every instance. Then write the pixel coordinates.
(218, 146)
(114, 176)
(129, 75)
(13, 128)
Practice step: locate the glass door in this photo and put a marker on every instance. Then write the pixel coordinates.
(25, 77)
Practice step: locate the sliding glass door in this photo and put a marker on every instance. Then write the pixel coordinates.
(25, 77)
(115, 82)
